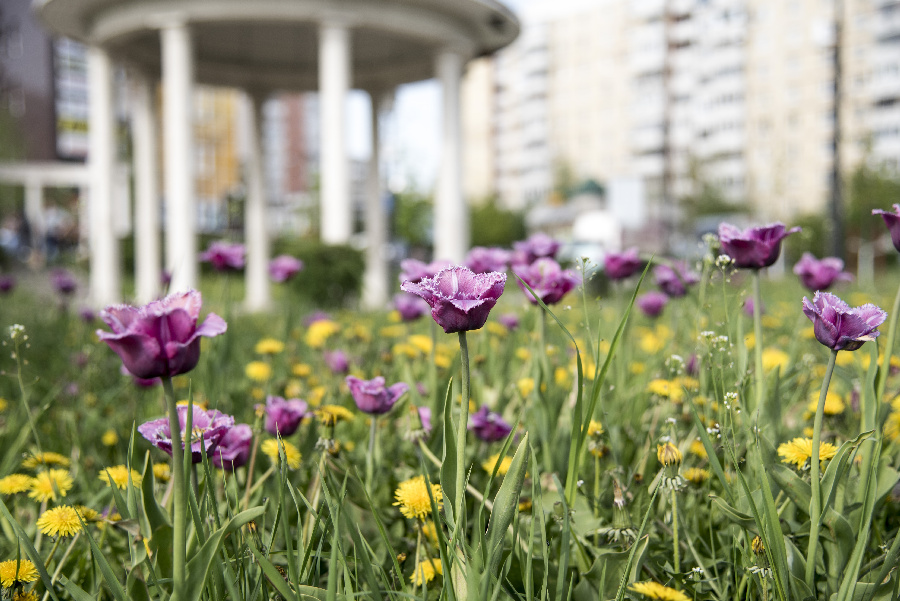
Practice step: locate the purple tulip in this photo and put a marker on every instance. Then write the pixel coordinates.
(87, 315)
(749, 306)
(674, 280)
(314, 317)
(459, 299)
(548, 280)
(755, 247)
(692, 367)
(488, 426)
(839, 327)
(284, 267)
(409, 306)
(372, 396)
(619, 266)
(224, 256)
(892, 221)
(821, 274)
(160, 339)
(234, 448)
(413, 270)
(652, 303)
(283, 417)
(207, 429)
(537, 246)
(482, 260)
(7, 283)
(337, 361)
(63, 282)
(509, 320)
(425, 418)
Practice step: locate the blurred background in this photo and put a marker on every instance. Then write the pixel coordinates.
(605, 123)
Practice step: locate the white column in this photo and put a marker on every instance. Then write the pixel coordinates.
(451, 218)
(256, 236)
(334, 83)
(105, 281)
(34, 214)
(375, 283)
(145, 125)
(178, 141)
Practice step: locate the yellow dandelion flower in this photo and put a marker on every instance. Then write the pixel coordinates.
(293, 389)
(404, 349)
(688, 383)
(834, 404)
(109, 438)
(17, 571)
(430, 531)
(757, 545)
(258, 371)
(799, 451)
(590, 370)
(329, 415)
(3, 404)
(45, 459)
(394, 316)
(595, 428)
(655, 590)
(666, 389)
(497, 329)
(395, 331)
(87, 514)
(844, 359)
(25, 596)
(269, 346)
(15, 483)
(162, 472)
(891, 427)
(319, 332)
(197, 402)
(301, 370)
(523, 353)
(668, 454)
(696, 475)
(425, 571)
(443, 360)
(291, 453)
(525, 386)
(316, 394)
(650, 343)
(119, 475)
(698, 449)
(525, 506)
(491, 462)
(604, 346)
(46, 485)
(421, 342)
(412, 497)
(637, 368)
(59, 521)
(562, 377)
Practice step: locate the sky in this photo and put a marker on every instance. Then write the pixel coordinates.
(412, 135)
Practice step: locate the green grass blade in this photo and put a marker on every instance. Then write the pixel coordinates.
(506, 504)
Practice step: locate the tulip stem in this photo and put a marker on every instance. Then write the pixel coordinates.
(815, 499)
(370, 457)
(461, 433)
(179, 504)
(758, 343)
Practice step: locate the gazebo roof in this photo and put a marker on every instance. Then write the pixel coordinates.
(273, 44)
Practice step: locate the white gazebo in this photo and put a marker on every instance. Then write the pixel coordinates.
(262, 46)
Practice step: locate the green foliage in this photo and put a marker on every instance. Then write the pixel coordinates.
(493, 225)
(332, 274)
(413, 219)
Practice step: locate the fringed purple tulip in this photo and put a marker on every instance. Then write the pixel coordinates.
(755, 247)
(674, 280)
(482, 260)
(207, 430)
(284, 417)
(820, 274)
(459, 299)
(63, 282)
(488, 426)
(409, 306)
(413, 270)
(652, 303)
(224, 256)
(892, 221)
(372, 396)
(549, 281)
(840, 327)
(234, 448)
(537, 246)
(337, 361)
(619, 266)
(160, 339)
(284, 267)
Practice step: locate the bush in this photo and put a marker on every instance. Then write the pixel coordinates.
(331, 276)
